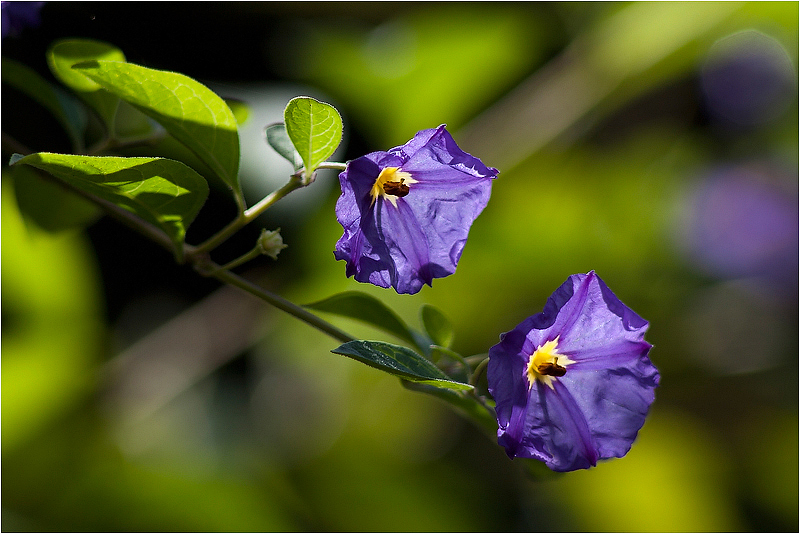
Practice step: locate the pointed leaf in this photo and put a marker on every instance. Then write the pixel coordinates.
(279, 140)
(315, 129)
(399, 361)
(62, 55)
(368, 309)
(437, 325)
(65, 108)
(187, 109)
(166, 193)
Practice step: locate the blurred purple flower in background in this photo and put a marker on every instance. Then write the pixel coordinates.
(742, 224)
(748, 79)
(573, 384)
(407, 212)
(18, 16)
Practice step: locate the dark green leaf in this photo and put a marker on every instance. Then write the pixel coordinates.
(399, 361)
(165, 193)
(69, 113)
(187, 109)
(315, 129)
(62, 55)
(437, 325)
(279, 140)
(368, 309)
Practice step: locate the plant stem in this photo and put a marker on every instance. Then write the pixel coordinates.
(332, 165)
(248, 216)
(254, 253)
(269, 200)
(275, 300)
(479, 370)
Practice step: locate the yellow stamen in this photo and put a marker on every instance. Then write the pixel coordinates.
(391, 184)
(546, 363)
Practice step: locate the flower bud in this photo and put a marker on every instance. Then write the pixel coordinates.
(271, 243)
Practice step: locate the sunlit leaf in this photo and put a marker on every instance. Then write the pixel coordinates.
(188, 110)
(399, 361)
(437, 325)
(62, 55)
(370, 310)
(279, 140)
(315, 129)
(166, 193)
(65, 108)
(240, 109)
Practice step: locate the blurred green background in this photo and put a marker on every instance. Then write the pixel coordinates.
(656, 143)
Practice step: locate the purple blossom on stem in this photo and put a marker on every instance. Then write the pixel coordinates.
(406, 213)
(573, 384)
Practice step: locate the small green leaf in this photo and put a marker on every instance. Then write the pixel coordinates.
(279, 140)
(166, 193)
(399, 361)
(63, 54)
(315, 129)
(368, 309)
(65, 108)
(187, 109)
(437, 325)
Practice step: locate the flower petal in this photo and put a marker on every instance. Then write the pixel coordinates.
(415, 238)
(595, 410)
(615, 403)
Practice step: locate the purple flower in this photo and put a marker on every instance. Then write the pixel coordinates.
(406, 213)
(573, 384)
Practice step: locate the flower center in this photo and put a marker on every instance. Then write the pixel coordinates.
(391, 184)
(546, 363)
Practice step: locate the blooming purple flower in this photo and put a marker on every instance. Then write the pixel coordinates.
(406, 213)
(573, 384)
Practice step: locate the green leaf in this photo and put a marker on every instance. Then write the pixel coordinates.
(279, 140)
(166, 193)
(65, 108)
(240, 110)
(49, 204)
(62, 55)
(187, 109)
(368, 309)
(437, 325)
(451, 362)
(130, 125)
(315, 129)
(399, 361)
